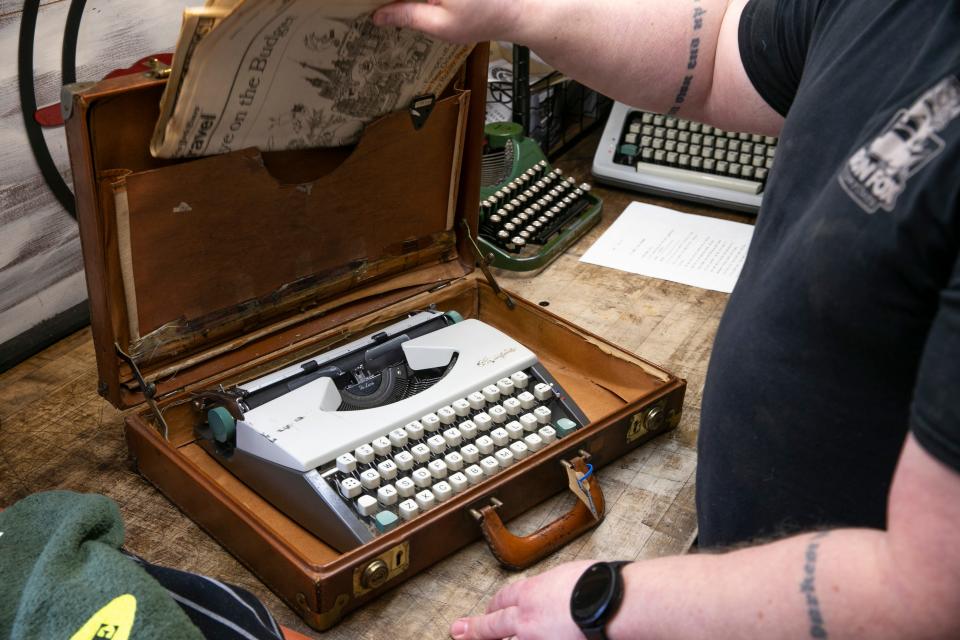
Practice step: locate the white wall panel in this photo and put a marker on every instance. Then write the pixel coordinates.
(40, 264)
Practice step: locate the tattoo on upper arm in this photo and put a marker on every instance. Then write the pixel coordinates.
(698, 13)
(808, 588)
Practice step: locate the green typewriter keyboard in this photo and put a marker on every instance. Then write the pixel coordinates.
(529, 212)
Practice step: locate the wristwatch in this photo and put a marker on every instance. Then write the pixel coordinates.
(596, 598)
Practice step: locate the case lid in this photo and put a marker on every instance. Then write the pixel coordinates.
(197, 266)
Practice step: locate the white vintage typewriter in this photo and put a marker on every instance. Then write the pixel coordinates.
(355, 441)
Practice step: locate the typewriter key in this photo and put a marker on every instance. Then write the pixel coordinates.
(474, 474)
(454, 461)
(519, 449)
(408, 509)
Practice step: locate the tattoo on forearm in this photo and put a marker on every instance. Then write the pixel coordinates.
(698, 13)
(808, 588)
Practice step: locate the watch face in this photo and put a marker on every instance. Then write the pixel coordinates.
(592, 594)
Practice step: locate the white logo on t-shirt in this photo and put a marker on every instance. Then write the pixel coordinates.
(877, 173)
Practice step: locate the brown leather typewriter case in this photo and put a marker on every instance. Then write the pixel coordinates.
(212, 271)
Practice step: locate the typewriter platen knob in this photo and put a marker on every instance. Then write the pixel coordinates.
(222, 424)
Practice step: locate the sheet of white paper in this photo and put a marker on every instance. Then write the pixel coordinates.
(662, 243)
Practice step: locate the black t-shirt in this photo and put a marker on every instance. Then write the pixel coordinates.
(843, 331)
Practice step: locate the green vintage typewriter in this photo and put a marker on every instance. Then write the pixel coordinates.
(529, 211)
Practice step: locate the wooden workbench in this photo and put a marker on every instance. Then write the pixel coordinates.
(56, 432)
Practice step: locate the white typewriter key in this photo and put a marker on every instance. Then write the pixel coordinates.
(519, 450)
(437, 444)
(442, 491)
(346, 463)
(474, 474)
(489, 465)
(404, 460)
(382, 446)
(414, 430)
(438, 469)
(406, 487)
(422, 478)
(468, 430)
(504, 458)
(408, 509)
(420, 452)
(514, 430)
(534, 442)
(461, 407)
(470, 453)
(367, 505)
(483, 421)
(430, 422)
(500, 436)
(498, 414)
(458, 482)
(351, 488)
(512, 406)
(505, 385)
(520, 380)
(387, 495)
(484, 444)
(364, 453)
(370, 479)
(454, 461)
(529, 421)
(548, 434)
(446, 415)
(543, 414)
(398, 437)
(543, 392)
(452, 436)
(527, 401)
(491, 393)
(425, 499)
(387, 469)
(476, 400)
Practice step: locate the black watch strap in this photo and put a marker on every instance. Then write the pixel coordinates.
(599, 632)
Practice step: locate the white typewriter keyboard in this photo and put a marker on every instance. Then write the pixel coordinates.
(413, 469)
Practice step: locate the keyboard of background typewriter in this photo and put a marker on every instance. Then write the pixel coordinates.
(698, 153)
(409, 471)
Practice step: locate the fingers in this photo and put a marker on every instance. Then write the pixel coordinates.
(492, 626)
(428, 18)
(508, 596)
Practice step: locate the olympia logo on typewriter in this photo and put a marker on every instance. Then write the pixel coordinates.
(877, 173)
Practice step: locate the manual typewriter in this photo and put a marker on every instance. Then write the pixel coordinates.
(529, 212)
(355, 441)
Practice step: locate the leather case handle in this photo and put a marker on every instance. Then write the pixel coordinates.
(520, 552)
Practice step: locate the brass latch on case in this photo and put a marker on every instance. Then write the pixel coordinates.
(377, 572)
(650, 420)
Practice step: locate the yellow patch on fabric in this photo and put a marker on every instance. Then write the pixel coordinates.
(113, 622)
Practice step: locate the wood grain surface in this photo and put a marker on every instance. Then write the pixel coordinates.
(55, 432)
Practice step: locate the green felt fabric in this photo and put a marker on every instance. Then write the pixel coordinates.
(60, 565)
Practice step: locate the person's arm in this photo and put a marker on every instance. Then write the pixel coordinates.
(845, 583)
(660, 55)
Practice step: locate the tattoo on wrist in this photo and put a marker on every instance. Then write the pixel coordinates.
(808, 587)
(698, 13)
